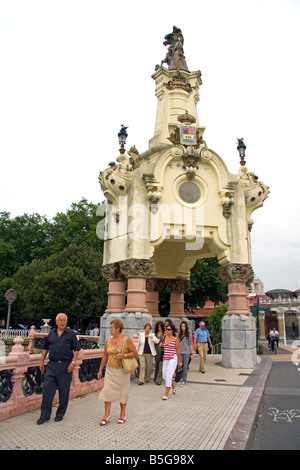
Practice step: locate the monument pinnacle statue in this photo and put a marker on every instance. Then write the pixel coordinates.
(175, 58)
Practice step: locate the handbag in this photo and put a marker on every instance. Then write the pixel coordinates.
(178, 374)
(128, 363)
(161, 353)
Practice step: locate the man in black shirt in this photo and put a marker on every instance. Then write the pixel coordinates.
(63, 347)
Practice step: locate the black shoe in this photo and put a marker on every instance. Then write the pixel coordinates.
(58, 418)
(42, 420)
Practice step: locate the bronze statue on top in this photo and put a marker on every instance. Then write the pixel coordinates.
(175, 58)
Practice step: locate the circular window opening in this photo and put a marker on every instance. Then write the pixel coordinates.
(189, 192)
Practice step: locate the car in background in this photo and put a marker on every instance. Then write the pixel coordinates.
(18, 326)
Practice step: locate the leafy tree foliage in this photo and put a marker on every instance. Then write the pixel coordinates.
(53, 265)
(30, 237)
(206, 284)
(69, 281)
(22, 239)
(215, 322)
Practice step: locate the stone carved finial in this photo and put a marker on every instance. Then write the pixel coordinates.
(136, 268)
(186, 118)
(237, 273)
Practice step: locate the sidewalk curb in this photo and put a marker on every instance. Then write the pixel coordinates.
(242, 430)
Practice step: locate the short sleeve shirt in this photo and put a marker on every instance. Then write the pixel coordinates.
(61, 347)
(201, 336)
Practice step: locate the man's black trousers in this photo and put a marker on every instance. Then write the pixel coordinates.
(58, 378)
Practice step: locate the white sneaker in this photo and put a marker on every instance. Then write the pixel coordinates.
(183, 384)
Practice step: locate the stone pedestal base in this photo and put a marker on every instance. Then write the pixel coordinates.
(133, 323)
(239, 341)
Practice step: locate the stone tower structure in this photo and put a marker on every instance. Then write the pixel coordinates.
(176, 203)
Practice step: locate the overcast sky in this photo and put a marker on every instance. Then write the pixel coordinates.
(73, 71)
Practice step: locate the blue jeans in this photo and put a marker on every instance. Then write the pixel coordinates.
(185, 362)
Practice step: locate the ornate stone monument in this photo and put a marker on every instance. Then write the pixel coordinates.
(173, 204)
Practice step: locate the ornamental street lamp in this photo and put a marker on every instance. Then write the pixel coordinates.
(241, 148)
(10, 296)
(122, 138)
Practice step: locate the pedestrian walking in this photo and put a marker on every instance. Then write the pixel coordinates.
(201, 338)
(63, 347)
(146, 351)
(186, 349)
(116, 381)
(171, 358)
(159, 331)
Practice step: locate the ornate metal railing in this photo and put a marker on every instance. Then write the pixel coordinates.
(21, 382)
(9, 334)
(6, 385)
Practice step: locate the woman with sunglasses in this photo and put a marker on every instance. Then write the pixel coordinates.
(171, 358)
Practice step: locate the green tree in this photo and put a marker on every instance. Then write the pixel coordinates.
(22, 240)
(215, 322)
(206, 284)
(76, 227)
(69, 281)
(32, 237)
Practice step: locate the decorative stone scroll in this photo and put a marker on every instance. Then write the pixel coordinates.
(155, 284)
(177, 285)
(111, 272)
(136, 268)
(237, 273)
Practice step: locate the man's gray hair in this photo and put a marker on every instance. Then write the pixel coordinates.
(61, 314)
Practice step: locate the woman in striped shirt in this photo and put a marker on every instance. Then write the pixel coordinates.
(171, 358)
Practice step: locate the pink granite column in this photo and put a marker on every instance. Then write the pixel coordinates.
(152, 301)
(238, 299)
(153, 286)
(238, 277)
(136, 295)
(136, 271)
(177, 304)
(116, 294)
(116, 297)
(177, 288)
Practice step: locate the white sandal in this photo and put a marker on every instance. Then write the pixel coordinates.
(165, 398)
(121, 421)
(104, 422)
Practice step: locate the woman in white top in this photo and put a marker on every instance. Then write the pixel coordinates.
(146, 351)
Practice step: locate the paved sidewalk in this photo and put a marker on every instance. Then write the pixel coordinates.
(214, 411)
